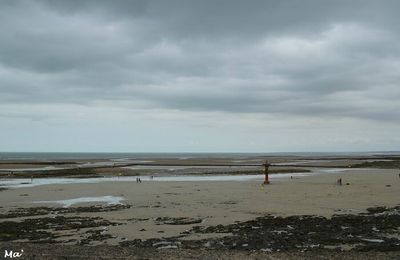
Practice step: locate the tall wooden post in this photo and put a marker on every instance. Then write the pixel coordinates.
(266, 166)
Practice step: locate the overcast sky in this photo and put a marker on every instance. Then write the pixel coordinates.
(199, 76)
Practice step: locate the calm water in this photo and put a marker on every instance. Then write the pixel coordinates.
(83, 156)
(110, 200)
(87, 156)
(23, 183)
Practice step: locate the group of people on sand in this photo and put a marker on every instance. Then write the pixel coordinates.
(139, 180)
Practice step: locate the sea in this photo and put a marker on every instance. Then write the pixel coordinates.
(53, 156)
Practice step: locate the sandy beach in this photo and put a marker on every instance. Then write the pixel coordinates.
(180, 211)
(170, 209)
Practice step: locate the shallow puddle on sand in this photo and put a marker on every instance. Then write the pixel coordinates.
(111, 200)
(22, 183)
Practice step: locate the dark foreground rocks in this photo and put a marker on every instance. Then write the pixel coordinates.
(55, 225)
(41, 229)
(371, 235)
(51, 251)
(37, 211)
(376, 230)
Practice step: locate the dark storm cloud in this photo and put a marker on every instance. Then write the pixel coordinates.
(316, 58)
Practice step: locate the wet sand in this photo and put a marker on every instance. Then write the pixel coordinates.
(185, 165)
(205, 212)
(213, 203)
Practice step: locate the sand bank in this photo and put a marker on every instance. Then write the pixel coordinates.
(217, 202)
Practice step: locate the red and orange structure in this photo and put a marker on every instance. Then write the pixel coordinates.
(266, 173)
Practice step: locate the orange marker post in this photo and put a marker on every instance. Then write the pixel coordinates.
(266, 179)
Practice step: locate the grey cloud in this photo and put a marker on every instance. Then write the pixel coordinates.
(288, 57)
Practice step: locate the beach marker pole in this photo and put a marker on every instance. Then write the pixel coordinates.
(266, 179)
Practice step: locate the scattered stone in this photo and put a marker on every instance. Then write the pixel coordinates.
(177, 221)
(95, 235)
(137, 219)
(36, 211)
(40, 229)
(229, 202)
(374, 210)
(297, 233)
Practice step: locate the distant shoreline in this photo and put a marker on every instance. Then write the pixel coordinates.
(148, 166)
